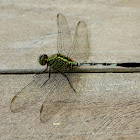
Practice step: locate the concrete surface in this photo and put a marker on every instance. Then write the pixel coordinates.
(109, 106)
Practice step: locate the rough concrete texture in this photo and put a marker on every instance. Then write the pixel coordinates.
(109, 104)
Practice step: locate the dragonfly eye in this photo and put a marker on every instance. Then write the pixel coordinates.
(43, 59)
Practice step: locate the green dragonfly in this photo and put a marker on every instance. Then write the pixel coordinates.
(57, 90)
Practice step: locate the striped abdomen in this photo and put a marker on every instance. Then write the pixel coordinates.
(61, 63)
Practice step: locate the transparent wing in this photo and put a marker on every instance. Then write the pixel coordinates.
(33, 92)
(80, 49)
(64, 40)
(56, 93)
(60, 96)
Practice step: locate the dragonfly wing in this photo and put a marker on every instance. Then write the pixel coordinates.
(80, 48)
(60, 96)
(64, 40)
(31, 93)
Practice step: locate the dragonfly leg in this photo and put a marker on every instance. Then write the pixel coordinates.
(48, 77)
(68, 81)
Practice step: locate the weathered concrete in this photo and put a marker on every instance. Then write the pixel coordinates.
(109, 106)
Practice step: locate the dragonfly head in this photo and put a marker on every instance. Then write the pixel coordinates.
(43, 59)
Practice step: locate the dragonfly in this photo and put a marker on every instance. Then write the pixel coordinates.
(60, 89)
(57, 90)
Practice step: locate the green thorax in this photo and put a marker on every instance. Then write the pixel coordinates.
(61, 62)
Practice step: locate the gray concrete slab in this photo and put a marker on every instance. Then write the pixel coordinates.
(108, 106)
